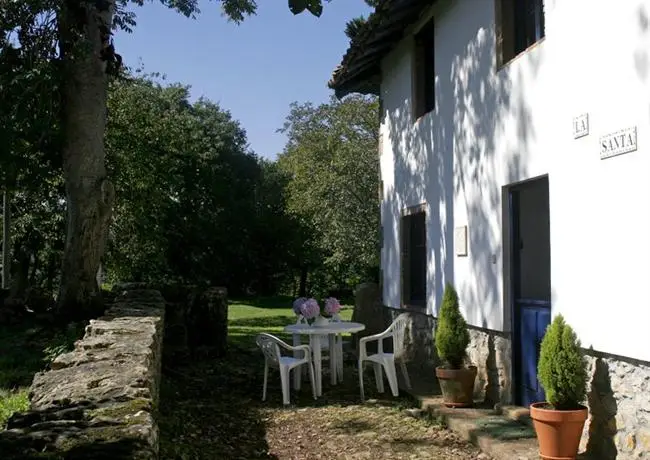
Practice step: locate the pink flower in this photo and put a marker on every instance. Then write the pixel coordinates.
(332, 306)
(310, 309)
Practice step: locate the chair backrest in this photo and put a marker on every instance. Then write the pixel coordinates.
(398, 329)
(269, 344)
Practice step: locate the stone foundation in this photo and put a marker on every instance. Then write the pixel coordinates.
(619, 405)
(491, 353)
(618, 390)
(100, 400)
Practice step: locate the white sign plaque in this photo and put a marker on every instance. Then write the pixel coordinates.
(618, 143)
(581, 126)
(460, 240)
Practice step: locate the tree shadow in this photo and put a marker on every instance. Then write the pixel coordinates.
(208, 410)
(27, 347)
(602, 427)
(458, 160)
(261, 322)
(265, 302)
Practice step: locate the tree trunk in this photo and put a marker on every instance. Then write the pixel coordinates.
(6, 239)
(302, 289)
(85, 34)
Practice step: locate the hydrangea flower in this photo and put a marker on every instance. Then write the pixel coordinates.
(332, 306)
(297, 304)
(310, 309)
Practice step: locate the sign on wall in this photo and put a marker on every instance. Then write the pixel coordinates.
(581, 126)
(618, 143)
(460, 240)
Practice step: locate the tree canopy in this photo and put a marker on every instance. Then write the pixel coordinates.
(331, 158)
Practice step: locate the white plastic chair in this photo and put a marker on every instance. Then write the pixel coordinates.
(271, 346)
(386, 360)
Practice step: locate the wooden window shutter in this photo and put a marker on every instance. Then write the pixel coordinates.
(405, 237)
(418, 80)
(504, 31)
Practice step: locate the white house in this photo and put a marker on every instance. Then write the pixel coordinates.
(515, 163)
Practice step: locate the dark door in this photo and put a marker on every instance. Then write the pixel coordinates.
(531, 283)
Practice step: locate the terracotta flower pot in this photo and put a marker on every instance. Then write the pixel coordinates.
(558, 431)
(457, 385)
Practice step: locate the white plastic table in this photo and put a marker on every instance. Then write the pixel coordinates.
(315, 333)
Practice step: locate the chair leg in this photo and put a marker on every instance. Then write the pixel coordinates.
(297, 375)
(391, 375)
(284, 379)
(266, 378)
(405, 373)
(361, 379)
(339, 349)
(379, 378)
(312, 379)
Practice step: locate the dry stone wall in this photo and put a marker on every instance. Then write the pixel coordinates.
(618, 395)
(100, 400)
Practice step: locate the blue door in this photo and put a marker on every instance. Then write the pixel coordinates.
(534, 317)
(531, 283)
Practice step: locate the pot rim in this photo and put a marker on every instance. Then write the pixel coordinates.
(539, 406)
(464, 368)
(540, 413)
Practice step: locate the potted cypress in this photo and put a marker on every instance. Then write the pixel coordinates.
(562, 372)
(452, 338)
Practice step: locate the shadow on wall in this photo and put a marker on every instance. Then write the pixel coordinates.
(476, 140)
(601, 427)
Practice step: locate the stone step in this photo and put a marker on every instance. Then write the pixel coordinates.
(498, 433)
(517, 413)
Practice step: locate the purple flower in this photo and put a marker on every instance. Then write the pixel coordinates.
(297, 305)
(332, 306)
(310, 309)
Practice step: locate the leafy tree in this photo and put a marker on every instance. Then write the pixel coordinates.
(194, 205)
(331, 159)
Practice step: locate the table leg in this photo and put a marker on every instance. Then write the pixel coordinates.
(315, 345)
(333, 358)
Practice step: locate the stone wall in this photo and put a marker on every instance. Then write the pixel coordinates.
(619, 406)
(488, 350)
(618, 388)
(100, 400)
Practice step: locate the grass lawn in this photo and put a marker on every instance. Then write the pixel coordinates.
(25, 349)
(212, 408)
(247, 319)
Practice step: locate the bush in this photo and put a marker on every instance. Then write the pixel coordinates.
(562, 369)
(452, 336)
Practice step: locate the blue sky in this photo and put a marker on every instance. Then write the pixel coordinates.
(255, 69)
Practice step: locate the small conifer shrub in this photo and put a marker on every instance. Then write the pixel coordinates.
(562, 369)
(452, 336)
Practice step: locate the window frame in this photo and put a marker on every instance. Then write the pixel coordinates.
(424, 70)
(507, 34)
(406, 257)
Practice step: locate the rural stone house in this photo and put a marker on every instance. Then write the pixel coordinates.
(515, 163)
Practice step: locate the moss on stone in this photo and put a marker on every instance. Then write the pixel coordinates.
(122, 411)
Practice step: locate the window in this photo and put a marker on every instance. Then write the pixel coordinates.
(424, 71)
(414, 258)
(519, 24)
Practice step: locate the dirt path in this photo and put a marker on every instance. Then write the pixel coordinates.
(359, 432)
(211, 409)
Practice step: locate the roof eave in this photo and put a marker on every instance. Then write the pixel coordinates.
(368, 82)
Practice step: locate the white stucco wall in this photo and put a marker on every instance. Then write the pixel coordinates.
(490, 129)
